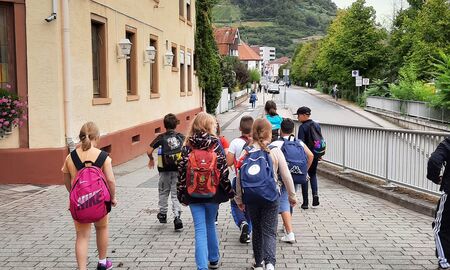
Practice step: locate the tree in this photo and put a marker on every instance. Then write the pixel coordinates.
(207, 56)
(354, 41)
(303, 64)
(228, 64)
(442, 73)
(255, 75)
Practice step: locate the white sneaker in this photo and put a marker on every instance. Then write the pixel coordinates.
(270, 266)
(289, 238)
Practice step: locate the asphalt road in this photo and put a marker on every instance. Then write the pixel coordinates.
(322, 111)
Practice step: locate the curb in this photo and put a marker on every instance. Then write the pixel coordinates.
(343, 106)
(399, 196)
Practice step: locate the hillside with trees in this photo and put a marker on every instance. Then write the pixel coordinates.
(281, 24)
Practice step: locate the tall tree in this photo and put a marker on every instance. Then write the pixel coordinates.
(354, 41)
(207, 55)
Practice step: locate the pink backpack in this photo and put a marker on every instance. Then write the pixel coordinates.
(90, 199)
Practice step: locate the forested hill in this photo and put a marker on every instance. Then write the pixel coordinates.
(277, 23)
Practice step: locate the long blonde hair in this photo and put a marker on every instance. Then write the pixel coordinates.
(88, 132)
(262, 133)
(202, 123)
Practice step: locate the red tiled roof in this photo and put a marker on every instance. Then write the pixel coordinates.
(255, 48)
(223, 49)
(247, 54)
(225, 35)
(283, 60)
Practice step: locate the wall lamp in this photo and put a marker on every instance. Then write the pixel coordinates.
(168, 56)
(124, 49)
(149, 54)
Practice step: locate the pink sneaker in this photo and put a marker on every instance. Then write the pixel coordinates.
(107, 266)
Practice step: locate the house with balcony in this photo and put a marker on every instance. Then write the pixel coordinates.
(118, 64)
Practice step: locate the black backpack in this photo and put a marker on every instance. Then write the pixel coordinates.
(169, 153)
(316, 143)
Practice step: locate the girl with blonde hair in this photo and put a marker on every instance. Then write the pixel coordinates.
(202, 141)
(81, 157)
(264, 215)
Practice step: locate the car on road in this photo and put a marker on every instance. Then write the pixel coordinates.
(273, 89)
(281, 83)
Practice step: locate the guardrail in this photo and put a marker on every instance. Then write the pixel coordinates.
(410, 108)
(396, 156)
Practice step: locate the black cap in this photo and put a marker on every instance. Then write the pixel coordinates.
(303, 110)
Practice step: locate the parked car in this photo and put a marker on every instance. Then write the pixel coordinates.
(274, 89)
(281, 83)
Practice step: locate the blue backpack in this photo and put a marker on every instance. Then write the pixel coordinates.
(296, 159)
(257, 178)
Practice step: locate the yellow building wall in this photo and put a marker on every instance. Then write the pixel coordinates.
(45, 68)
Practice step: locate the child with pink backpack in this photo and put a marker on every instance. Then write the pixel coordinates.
(89, 178)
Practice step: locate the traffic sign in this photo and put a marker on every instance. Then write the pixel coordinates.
(365, 81)
(359, 81)
(355, 73)
(285, 72)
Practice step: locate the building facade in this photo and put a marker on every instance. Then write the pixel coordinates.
(71, 69)
(227, 40)
(248, 56)
(267, 54)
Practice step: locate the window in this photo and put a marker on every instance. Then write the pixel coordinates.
(189, 70)
(175, 57)
(182, 72)
(181, 8)
(99, 70)
(132, 64)
(154, 81)
(7, 49)
(188, 11)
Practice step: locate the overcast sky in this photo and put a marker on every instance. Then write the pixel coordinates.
(384, 8)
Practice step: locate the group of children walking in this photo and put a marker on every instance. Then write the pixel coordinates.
(267, 159)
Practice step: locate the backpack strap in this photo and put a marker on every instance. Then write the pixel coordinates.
(76, 160)
(101, 159)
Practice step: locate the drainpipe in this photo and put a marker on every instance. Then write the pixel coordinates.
(53, 15)
(67, 71)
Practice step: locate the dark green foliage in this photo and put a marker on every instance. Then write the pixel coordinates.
(207, 56)
(442, 73)
(227, 65)
(290, 21)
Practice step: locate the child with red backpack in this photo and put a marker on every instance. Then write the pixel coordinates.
(89, 178)
(203, 184)
(258, 192)
(169, 146)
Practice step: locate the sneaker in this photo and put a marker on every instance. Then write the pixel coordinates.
(257, 267)
(270, 266)
(304, 205)
(213, 265)
(315, 200)
(178, 224)
(245, 237)
(107, 266)
(162, 217)
(289, 238)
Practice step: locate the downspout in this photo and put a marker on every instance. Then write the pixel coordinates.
(67, 71)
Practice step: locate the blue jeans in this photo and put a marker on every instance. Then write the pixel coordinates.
(240, 216)
(206, 241)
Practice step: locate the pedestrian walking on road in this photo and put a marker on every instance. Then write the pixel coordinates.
(311, 134)
(296, 150)
(253, 99)
(258, 192)
(169, 146)
(439, 162)
(81, 175)
(241, 218)
(273, 118)
(335, 91)
(203, 184)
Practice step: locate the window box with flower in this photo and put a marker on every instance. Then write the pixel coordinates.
(12, 112)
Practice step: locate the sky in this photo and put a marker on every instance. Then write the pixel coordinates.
(384, 8)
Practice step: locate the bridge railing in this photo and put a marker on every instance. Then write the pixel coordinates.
(397, 156)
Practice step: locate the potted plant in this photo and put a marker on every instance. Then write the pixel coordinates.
(12, 112)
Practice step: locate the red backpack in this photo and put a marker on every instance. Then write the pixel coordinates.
(90, 199)
(202, 175)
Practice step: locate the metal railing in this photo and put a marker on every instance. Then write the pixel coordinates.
(397, 156)
(410, 108)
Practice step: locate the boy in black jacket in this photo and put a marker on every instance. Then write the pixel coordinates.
(439, 160)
